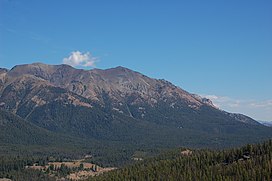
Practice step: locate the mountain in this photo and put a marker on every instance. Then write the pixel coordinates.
(120, 105)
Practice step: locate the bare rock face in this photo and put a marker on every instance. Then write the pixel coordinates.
(118, 83)
(25, 88)
(35, 69)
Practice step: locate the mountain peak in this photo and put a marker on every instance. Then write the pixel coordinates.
(118, 69)
(122, 68)
(36, 69)
(119, 74)
(39, 64)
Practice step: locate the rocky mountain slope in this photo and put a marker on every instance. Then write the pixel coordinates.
(119, 104)
(118, 83)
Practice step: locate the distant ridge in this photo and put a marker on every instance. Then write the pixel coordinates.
(266, 123)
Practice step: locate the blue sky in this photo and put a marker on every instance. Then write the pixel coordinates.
(221, 49)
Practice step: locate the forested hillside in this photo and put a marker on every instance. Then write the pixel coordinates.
(251, 162)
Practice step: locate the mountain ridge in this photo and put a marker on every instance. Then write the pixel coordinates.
(125, 76)
(119, 104)
(47, 72)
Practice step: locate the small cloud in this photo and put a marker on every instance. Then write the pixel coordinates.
(78, 58)
(264, 104)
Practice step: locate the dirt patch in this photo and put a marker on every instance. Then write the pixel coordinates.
(73, 164)
(81, 175)
(86, 169)
(186, 152)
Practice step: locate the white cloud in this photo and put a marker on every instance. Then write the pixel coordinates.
(258, 109)
(78, 58)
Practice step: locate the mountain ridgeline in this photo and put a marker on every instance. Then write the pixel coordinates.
(118, 106)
